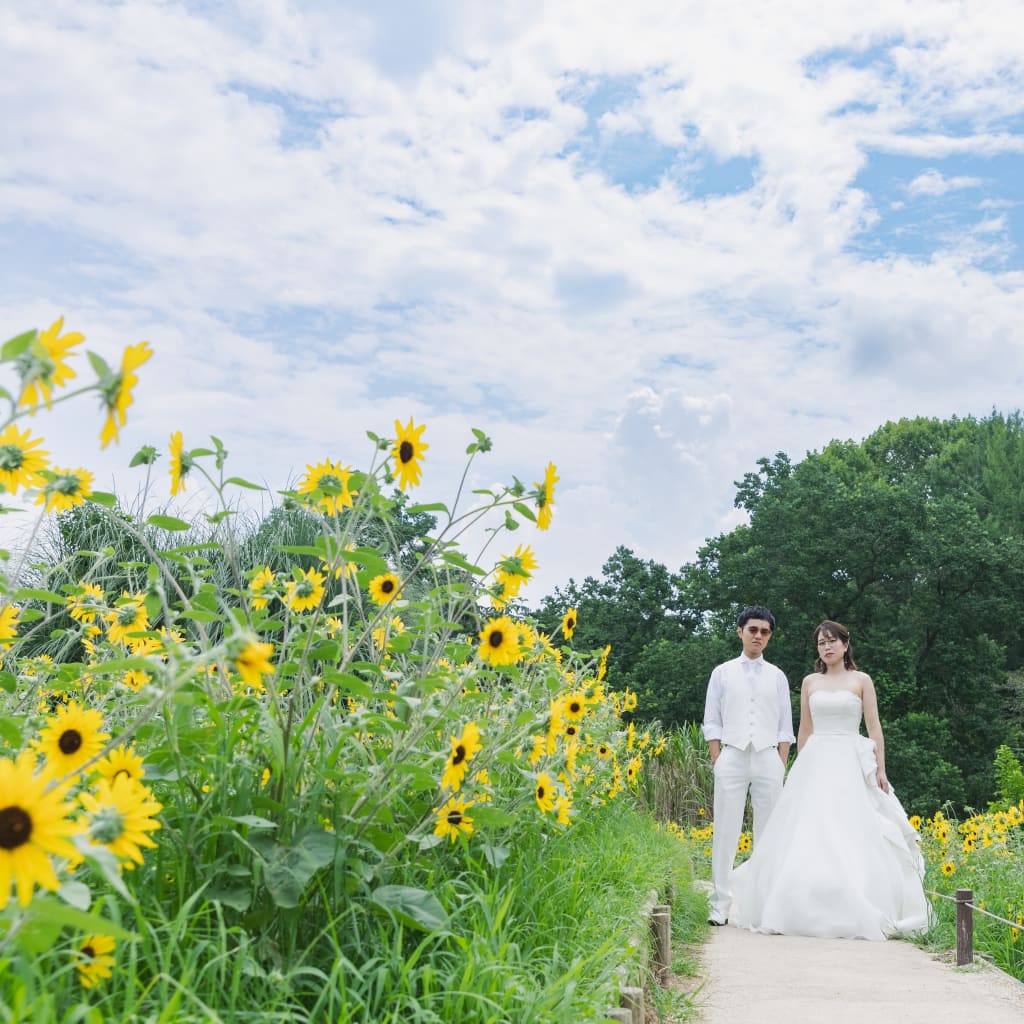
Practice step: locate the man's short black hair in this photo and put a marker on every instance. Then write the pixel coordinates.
(755, 611)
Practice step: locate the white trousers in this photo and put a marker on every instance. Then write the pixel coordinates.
(737, 771)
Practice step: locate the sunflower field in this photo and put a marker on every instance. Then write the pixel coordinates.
(319, 771)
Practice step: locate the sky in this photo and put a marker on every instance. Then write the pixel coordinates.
(649, 242)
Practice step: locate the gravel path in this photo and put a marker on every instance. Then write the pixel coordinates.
(777, 979)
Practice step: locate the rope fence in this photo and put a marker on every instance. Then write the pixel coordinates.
(965, 908)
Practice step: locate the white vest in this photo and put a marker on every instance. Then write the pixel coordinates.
(750, 707)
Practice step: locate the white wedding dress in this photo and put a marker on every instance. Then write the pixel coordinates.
(838, 858)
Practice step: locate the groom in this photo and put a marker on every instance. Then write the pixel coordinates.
(748, 723)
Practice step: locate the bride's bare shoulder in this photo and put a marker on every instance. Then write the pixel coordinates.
(810, 681)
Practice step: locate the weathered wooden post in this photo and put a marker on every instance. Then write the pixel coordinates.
(632, 999)
(661, 926)
(964, 927)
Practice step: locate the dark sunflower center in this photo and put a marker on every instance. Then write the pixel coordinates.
(571, 623)
(455, 818)
(496, 638)
(328, 480)
(11, 457)
(121, 771)
(406, 451)
(459, 755)
(575, 707)
(88, 952)
(541, 791)
(387, 586)
(15, 828)
(70, 741)
(570, 730)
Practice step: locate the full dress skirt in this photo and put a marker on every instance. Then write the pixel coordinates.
(838, 857)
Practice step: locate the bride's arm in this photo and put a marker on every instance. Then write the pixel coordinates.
(874, 728)
(806, 724)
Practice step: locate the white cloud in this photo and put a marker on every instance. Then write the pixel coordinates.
(327, 216)
(933, 183)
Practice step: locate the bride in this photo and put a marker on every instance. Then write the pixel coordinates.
(837, 858)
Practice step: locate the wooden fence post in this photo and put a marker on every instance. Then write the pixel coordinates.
(964, 927)
(661, 926)
(632, 999)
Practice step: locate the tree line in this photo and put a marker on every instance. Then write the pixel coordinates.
(913, 538)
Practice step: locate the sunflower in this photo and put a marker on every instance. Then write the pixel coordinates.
(602, 668)
(545, 792)
(464, 749)
(116, 389)
(452, 819)
(633, 770)
(562, 807)
(129, 616)
(304, 594)
(545, 496)
(93, 959)
(385, 587)
(915, 822)
(262, 587)
(120, 814)
(86, 604)
(43, 368)
(500, 642)
(328, 481)
(9, 616)
(252, 663)
(120, 761)
(569, 623)
(574, 705)
(71, 738)
(20, 458)
(64, 488)
(604, 751)
(512, 572)
(948, 868)
(34, 823)
(408, 451)
(181, 463)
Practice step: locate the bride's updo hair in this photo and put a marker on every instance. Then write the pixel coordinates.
(833, 631)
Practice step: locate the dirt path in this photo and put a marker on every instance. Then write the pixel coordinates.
(776, 979)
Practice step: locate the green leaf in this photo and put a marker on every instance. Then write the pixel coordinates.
(299, 549)
(237, 897)
(14, 348)
(290, 868)
(252, 820)
(30, 615)
(460, 562)
(99, 366)
(104, 498)
(239, 482)
(7, 682)
(30, 594)
(218, 516)
(145, 456)
(510, 521)
(496, 855)
(525, 511)
(75, 894)
(437, 506)
(415, 908)
(48, 911)
(492, 817)
(171, 523)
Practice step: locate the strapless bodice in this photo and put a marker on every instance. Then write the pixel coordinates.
(835, 712)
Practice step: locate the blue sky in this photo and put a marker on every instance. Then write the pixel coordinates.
(650, 242)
